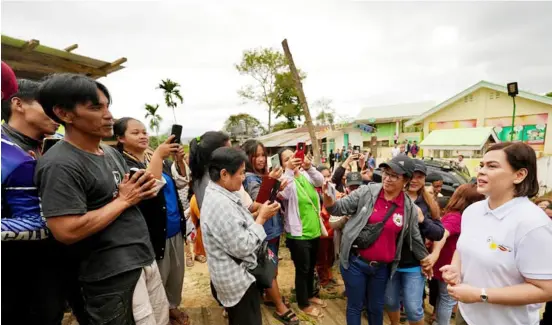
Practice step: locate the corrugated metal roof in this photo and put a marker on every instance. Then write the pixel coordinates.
(291, 137)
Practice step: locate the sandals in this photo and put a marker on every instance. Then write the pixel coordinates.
(270, 303)
(319, 302)
(314, 312)
(181, 318)
(189, 261)
(287, 318)
(201, 258)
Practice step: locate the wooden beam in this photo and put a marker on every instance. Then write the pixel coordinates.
(304, 104)
(71, 47)
(40, 59)
(113, 64)
(30, 45)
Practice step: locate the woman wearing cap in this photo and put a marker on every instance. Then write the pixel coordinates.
(383, 217)
(409, 281)
(502, 268)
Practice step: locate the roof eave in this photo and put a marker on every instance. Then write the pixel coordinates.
(477, 86)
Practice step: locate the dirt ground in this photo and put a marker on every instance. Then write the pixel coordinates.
(197, 292)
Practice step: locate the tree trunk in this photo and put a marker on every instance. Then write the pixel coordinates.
(269, 118)
(304, 104)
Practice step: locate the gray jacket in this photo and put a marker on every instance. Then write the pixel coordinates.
(359, 205)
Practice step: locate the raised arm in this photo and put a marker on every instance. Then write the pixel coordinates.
(346, 206)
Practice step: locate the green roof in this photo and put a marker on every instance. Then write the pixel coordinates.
(459, 139)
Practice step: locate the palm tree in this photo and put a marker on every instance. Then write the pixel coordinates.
(171, 91)
(154, 118)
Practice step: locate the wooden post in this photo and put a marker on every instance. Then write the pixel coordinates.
(304, 104)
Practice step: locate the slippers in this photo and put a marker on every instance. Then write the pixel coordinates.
(319, 302)
(287, 318)
(314, 312)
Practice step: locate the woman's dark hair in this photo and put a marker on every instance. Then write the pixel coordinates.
(281, 151)
(463, 197)
(229, 159)
(27, 91)
(250, 147)
(67, 90)
(520, 155)
(201, 149)
(322, 168)
(119, 129)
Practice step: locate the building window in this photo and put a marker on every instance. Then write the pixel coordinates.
(471, 98)
(491, 96)
(413, 128)
(497, 94)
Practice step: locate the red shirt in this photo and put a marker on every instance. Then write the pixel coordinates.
(385, 247)
(451, 221)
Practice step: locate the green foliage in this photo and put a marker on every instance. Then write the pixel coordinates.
(250, 123)
(171, 91)
(262, 65)
(154, 118)
(155, 141)
(283, 125)
(285, 98)
(549, 94)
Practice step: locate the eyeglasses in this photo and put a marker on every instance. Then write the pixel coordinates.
(392, 177)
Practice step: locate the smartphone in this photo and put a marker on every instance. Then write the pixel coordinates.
(356, 149)
(48, 143)
(275, 162)
(274, 191)
(269, 190)
(331, 191)
(132, 171)
(300, 150)
(176, 130)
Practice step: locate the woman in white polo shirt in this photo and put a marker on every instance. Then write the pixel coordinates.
(502, 269)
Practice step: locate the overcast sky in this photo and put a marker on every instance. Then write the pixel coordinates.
(355, 53)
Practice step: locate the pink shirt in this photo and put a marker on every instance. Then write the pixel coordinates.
(385, 247)
(451, 222)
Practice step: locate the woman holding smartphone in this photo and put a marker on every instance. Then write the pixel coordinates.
(257, 167)
(302, 225)
(502, 268)
(164, 214)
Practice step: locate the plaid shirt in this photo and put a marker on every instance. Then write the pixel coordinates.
(229, 229)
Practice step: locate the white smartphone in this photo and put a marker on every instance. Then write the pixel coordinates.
(275, 162)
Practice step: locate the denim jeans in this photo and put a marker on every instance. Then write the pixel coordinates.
(410, 286)
(445, 305)
(365, 286)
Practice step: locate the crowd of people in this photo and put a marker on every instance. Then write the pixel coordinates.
(104, 229)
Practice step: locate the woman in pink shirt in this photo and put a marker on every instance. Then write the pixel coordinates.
(443, 250)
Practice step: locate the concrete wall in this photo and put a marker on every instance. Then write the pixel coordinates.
(484, 104)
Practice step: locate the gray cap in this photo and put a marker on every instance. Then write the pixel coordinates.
(401, 164)
(354, 178)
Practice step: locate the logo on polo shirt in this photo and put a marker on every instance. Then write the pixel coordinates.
(494, 246)
(398, 219)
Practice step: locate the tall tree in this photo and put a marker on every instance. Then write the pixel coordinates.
(263, 65)
(549, 94)
(250, 124)
(171, 91)
(154, 118)
(285, 98)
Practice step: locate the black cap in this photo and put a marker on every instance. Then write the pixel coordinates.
(401, 165)
(419, 166)
(354, 178)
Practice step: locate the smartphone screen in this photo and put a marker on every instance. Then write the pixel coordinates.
(275, 162)
(48, 143)
(176, 130)
(274, 192)
(300, 151)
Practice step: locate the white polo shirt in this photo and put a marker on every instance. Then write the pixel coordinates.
(499, 248)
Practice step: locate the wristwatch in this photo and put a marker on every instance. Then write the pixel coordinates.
(483, 295)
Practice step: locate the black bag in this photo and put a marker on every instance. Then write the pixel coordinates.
(371, 232)
(265, 272)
